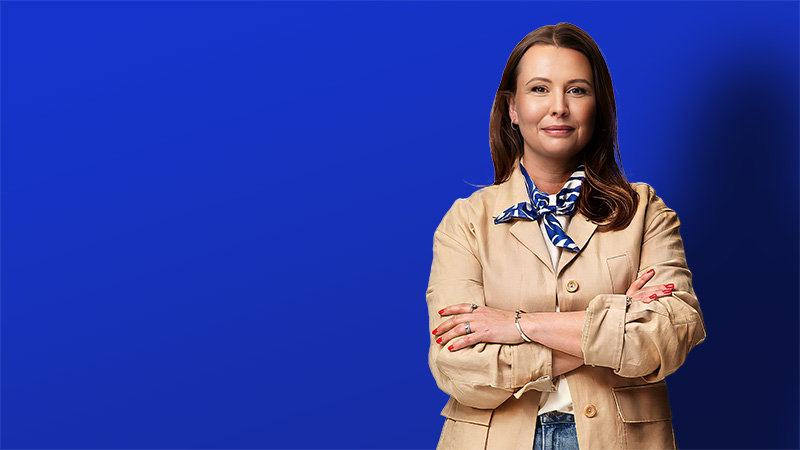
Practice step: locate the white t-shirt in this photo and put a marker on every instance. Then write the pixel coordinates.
(559, 400)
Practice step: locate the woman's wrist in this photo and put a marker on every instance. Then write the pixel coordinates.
(527, 325)
(558, 330)
(517, 317)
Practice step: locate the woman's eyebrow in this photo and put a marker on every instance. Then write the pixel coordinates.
(547, 80)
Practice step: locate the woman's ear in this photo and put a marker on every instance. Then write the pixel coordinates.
(512, 108)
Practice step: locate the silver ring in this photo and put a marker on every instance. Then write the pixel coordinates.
(627, 300)
(466, 327)
(473, 306)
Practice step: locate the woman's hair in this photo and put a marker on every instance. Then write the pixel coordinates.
(606, 196)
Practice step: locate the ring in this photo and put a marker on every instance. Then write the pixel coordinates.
(627, 300)
(466, 327)
(473, 306)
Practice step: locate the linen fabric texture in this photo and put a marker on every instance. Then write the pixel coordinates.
(619, 396)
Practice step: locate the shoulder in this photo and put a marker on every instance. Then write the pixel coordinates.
(477, 208)
(652, 209)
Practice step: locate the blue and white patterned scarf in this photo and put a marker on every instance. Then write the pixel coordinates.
(539, 205)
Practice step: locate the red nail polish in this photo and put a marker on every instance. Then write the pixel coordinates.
(651, 271)
(441, 311)
(669, 286)
(667, 291)
(653, 296)
(450, 348)
(435, 331)
(439, 341)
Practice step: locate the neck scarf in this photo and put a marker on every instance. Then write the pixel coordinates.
(539, 205)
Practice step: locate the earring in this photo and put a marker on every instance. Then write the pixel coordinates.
(512, 126)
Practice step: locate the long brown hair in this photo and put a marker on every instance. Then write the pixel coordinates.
(606, 196)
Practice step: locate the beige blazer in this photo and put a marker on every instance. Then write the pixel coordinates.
(619, 395)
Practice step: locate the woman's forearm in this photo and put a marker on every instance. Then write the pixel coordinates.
(563, 363)
(558, 330)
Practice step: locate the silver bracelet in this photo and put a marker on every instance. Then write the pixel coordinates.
(516, 322)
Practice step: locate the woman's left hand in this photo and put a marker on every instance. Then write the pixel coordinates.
(637, 291)
(486, 324)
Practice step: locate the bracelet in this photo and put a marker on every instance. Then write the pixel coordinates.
(516, 322)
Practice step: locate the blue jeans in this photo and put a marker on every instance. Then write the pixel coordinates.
(555, 430)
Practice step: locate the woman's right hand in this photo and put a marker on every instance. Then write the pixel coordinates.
(638, 293)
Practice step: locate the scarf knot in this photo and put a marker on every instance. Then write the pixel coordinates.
(539, 206)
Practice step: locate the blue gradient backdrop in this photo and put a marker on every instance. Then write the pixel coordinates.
(199, 240)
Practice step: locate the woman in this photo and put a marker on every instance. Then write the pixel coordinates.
(559, 297)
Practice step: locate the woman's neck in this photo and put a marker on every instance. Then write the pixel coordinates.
(549, 176)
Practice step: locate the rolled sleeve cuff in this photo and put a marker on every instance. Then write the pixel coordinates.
(533, 368)
(603, 331)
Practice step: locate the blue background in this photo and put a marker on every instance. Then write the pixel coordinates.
(217, 218)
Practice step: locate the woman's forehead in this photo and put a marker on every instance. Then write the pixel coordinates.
(548, 61)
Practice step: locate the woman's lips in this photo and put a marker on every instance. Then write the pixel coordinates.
(558, 131)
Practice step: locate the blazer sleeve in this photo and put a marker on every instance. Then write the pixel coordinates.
(484, 375)
(649, 340)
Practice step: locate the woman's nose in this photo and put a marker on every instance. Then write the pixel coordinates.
(559, 106)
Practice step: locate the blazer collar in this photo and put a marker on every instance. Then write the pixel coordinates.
(580, 229)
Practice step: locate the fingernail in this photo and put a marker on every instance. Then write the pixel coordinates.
(669, 286)
(667, 291)
(651, 271)
(439, 341)
(450, 348)
(434, 331)
(653, 296)
(441, 311)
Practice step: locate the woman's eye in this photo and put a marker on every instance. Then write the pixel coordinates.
(538, 89)
(578, 90)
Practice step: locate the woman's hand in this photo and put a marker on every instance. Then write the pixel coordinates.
(486, 324)
(638, 293)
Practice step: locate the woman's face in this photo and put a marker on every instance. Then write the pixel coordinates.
(555, 104)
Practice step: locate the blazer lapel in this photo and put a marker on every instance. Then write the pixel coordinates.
(580, 229)
(526, 232)
(530, 235)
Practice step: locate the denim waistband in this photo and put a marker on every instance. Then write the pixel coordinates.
(556, 417)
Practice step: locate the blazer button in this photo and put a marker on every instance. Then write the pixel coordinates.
(590, 411)
(572, 286)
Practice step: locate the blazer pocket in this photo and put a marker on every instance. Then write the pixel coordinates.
(645, 419)
(465, 428)
(620, 272)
